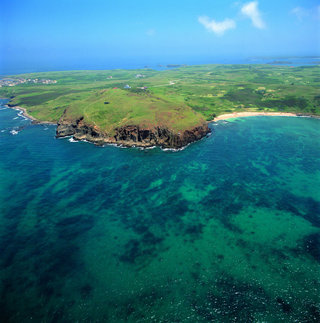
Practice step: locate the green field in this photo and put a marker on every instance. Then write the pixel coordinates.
(177, 99)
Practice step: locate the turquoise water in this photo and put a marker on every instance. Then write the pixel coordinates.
(227, 230)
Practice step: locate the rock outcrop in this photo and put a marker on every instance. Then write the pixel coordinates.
(131, 135)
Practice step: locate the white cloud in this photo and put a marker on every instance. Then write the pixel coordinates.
(299, 12)
(302, 13)
(217, 27)
(251, 10)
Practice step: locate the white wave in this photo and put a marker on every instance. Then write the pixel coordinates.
(23, 117)
(126, 147)
(64, 137)
(15, 118)
(20, 114)
(72, 140)
(84, 140)
(175, 149)
(146, 148)
(14, 132)
(2, 130)
(3, 109)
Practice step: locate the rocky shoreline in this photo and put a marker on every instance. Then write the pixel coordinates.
(131, 135)
(136, 136)
(127, 136)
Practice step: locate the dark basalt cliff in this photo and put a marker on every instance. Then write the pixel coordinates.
(131, 135)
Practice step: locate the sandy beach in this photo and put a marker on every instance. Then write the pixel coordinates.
(253, 114)
(25, 113)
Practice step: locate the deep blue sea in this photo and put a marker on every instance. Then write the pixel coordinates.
(226, 230)
(148, 62)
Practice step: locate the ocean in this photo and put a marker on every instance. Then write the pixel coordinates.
(160, 63)
(226, 230)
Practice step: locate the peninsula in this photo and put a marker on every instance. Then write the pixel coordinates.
(169, 108)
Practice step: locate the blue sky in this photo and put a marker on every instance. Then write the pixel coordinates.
(73, 33)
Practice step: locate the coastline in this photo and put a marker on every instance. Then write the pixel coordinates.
(145, 145)
(131, 135)
(177, 142)
(27, 115)
(255, 114)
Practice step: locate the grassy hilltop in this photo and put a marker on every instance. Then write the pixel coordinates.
(177, 99)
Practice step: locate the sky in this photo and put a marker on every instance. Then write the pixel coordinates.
(62, 34)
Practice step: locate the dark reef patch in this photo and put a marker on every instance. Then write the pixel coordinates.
(72, 227)
(194, 230)
(143, 249)
(314, 313)
(306, 207)
(86, 290)
(235, 301)
(312, 245)
(286, 307)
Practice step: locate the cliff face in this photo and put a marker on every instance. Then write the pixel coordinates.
(158, 136)
(131, 135)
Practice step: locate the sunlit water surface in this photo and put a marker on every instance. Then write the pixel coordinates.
(227, 230)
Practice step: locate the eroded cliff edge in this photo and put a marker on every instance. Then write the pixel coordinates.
(131, 135)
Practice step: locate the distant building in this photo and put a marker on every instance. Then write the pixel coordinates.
(14, 82)
(127, 86)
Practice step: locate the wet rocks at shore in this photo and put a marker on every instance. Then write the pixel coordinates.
(131, 135)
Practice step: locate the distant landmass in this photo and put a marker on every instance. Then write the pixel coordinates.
(169, 108)
(280, 62)
(175, 65)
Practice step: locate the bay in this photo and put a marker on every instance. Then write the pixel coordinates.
(227, 230)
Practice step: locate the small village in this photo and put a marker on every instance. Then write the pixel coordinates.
(16, 81)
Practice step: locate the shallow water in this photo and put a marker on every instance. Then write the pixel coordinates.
(227, 230)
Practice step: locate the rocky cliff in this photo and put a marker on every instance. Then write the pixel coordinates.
(131, 135)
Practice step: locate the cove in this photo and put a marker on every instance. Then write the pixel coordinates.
(226, 230)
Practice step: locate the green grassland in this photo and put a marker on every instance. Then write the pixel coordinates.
(177, 98)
